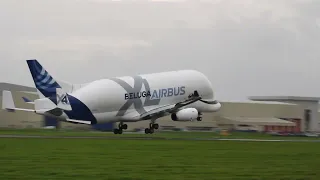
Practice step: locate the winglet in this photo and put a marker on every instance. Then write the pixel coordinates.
(26, 99)
(7, 100)
(63, 100)
(8, 103)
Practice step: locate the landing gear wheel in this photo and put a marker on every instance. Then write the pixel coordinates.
(199, 118)
(152, 127)
(117, 131)
(124, 126)
(147, 130)
(155, 126)
(151, 131)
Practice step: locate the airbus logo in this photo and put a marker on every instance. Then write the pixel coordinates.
(156, 94)
(63, 99)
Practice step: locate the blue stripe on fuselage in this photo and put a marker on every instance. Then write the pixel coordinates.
(80, 111)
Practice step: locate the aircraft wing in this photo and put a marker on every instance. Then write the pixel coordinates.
(168, 109)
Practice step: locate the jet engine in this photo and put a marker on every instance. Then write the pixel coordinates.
(187, 114)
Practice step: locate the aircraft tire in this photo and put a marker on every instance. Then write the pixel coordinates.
(147, 130)
(125, 126)
(156, 126)
(117, 131)
(151, 131)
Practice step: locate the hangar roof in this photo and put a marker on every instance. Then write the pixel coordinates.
(260, 121)
(15, 87)
(259, 102)
(283, 98)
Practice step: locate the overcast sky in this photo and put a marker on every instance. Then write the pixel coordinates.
(245, 47)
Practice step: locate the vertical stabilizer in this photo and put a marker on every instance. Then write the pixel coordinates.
(63, 100)
(46, 85)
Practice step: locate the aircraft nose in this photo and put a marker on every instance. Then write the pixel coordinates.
(217, 106)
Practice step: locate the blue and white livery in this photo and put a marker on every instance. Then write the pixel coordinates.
(184, 95)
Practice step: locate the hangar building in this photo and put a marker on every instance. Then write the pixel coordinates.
(256, 116)
(310, 106)
(289, 114)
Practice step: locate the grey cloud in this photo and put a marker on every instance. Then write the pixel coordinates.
(244, 47)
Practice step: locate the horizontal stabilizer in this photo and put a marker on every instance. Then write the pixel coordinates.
(44, 105)
(8, 103)
(78, 121)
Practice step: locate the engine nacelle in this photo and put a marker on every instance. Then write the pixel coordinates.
(188, 114)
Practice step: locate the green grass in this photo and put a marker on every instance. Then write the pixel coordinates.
(50, 132)
(159, 159)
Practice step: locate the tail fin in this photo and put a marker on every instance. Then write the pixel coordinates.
(44, 82)
(63, 100)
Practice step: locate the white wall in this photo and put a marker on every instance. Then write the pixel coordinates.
(314, 119)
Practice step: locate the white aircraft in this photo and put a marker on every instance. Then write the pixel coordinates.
(184, 95)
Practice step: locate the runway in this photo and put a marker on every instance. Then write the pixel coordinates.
(153, 138)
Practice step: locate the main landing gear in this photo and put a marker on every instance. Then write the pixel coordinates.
(152, 127)
(121, 127)
(199, 118)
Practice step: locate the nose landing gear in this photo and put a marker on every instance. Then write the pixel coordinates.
(199, 118)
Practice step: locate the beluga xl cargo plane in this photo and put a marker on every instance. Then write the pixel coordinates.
(184, 95)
